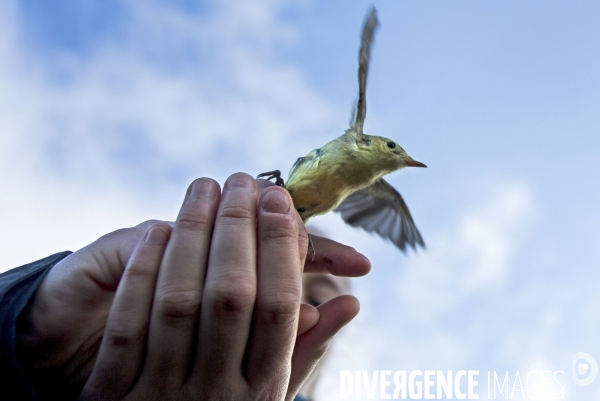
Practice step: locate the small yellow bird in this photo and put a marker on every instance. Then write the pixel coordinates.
(346, 174)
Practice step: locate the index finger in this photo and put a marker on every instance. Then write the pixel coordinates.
(331, 256)
(279, 272)
(337, 259)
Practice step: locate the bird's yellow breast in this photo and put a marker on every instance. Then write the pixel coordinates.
(321, 180)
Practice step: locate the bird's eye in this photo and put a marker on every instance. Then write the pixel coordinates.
(391, 145)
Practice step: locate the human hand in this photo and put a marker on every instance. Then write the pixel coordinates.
(60, 333)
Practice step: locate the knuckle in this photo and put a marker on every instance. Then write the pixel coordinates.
(193, 221)
(279, 309)
(115, 235)
(160, 224)
(178, 302)
(124, 330)
(138, 271)
(149, 223)
(235, 213)
(232, 295)
(282, 230)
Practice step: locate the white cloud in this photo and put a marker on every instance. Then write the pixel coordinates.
(424, 314)
(488, 236)
(115, 141)
(472, 257)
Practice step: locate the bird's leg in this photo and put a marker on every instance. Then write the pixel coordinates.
(311, 248)
(273, 174)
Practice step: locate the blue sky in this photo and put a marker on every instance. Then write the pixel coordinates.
(109, 109)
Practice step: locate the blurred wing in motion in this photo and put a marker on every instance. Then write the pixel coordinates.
(380, 208)
(364, 57)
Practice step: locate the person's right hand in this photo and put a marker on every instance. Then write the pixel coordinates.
(60, 332)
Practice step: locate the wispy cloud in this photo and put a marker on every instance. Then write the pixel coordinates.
(168, 96)
(430, 316)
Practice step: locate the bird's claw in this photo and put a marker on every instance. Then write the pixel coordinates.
(272, 174)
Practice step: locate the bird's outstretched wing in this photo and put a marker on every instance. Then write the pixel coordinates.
(364, 57)
(380, 208)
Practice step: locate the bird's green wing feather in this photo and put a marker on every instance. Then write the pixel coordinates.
(381, 209)
(303, 164)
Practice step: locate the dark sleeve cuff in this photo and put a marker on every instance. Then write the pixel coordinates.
(16, 288)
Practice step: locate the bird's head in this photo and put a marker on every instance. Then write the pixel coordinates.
(390, 156)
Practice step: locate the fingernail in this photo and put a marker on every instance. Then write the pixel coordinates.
(240, 181)
(203, 187)
(275, 201)
(156, 236)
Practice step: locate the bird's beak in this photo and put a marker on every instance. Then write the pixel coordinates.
(410, 162)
